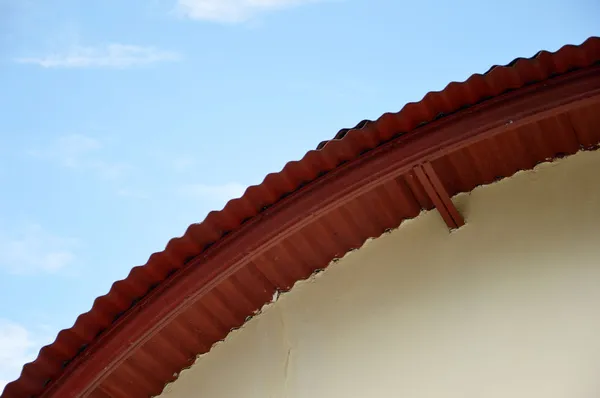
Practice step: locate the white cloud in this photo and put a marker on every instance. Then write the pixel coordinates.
(34, 250)
(16, 349)
(215, 194)
(80, 152)
(117, 56)
(233, 11)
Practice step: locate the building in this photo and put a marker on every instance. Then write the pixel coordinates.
(490, 292)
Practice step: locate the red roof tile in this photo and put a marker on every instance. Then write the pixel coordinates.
(230, 295)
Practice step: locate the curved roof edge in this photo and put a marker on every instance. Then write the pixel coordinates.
(163, 277)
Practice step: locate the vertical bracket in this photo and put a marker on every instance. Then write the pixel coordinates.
(438, 195)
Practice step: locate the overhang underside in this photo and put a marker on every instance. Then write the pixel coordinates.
(330, 236)
(503, 307)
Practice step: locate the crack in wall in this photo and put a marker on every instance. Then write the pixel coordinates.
(288, 347)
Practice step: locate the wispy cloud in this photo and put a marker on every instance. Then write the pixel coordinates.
(233, 11)
(16, 349)
(34, 250)
(80, 152)
(115, 55)
(215, 194)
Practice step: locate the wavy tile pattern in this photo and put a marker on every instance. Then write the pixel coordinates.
(228, 305)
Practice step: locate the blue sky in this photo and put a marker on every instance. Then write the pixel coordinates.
(122, 122)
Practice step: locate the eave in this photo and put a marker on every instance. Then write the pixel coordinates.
(297, 221)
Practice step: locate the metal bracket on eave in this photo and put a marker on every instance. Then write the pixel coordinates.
(438, 195)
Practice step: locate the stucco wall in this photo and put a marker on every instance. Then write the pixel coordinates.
(507, 306)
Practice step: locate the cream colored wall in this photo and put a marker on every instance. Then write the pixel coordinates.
(507, 306)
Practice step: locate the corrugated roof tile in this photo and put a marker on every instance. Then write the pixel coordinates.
(346, 145)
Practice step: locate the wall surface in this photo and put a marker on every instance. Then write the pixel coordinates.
(507, 306)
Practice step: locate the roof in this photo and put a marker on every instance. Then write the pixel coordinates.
(351, 188)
